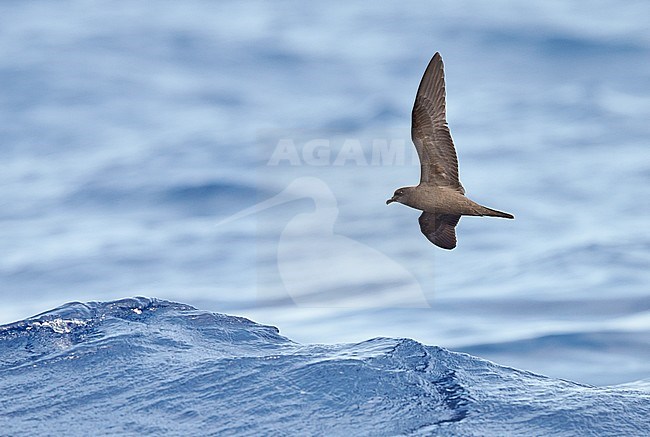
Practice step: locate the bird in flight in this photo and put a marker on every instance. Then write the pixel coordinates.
(439, 194)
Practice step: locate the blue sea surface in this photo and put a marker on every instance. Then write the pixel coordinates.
(132, 133)
(144, 366)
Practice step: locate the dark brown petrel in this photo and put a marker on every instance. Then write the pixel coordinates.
(439, 194)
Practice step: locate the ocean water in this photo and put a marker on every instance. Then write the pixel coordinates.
(130, 135)
(141, 366)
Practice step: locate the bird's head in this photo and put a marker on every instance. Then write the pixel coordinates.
(401, 195)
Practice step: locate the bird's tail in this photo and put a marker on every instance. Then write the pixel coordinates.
(494, 213)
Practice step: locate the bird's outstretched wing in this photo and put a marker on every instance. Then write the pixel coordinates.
(440, 229)
(429, 130)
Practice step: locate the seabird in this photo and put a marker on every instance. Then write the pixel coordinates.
(439, 194)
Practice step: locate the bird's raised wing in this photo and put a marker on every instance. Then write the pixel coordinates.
(429, 130)
(440, 229)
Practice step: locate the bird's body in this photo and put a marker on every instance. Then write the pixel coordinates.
(443, 200)
(440, 195)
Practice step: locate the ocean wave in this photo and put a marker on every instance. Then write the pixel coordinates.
(144, 365)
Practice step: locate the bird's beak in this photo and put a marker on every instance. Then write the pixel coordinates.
(391, 200)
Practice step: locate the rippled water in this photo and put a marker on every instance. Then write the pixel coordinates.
(130, 132)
